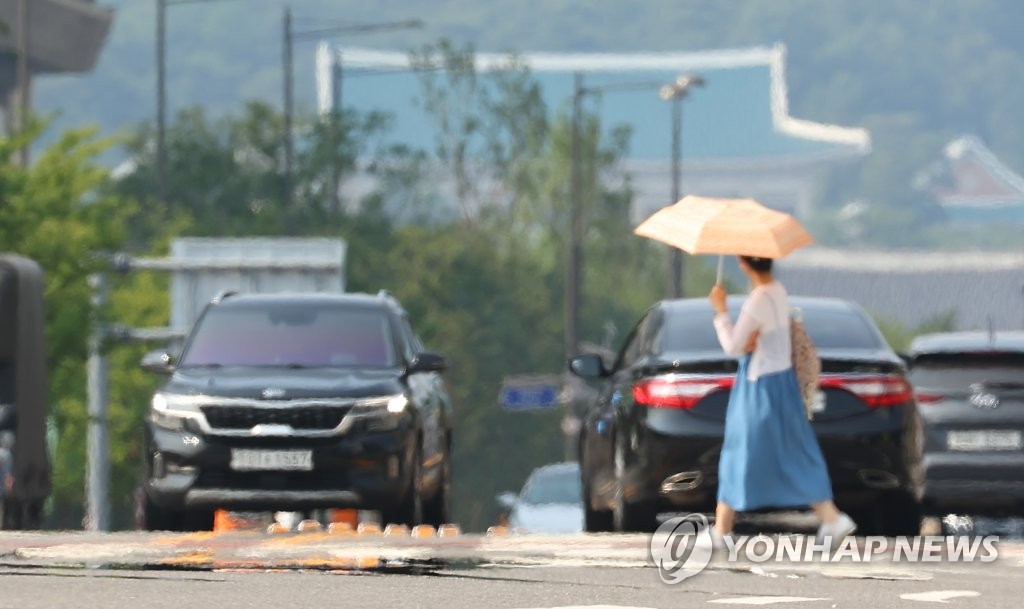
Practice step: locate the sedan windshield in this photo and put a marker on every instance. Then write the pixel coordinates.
(553, 487)
(828, 328)
(292, 334)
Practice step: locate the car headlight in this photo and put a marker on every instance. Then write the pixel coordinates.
(395, 404)
(383, 413)
(170, 411)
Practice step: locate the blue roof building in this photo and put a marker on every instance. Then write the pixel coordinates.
(738, 138)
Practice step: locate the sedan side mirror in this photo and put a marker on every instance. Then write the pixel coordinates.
(588, 366)
(160, 362)
(428, 361)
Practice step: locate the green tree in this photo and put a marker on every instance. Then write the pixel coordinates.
(56, 213)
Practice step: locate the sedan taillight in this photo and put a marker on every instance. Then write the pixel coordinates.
(877, 391)
(676, 391)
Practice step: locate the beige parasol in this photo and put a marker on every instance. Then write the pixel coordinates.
(704, 225)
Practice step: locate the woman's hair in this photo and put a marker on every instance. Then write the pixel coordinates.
(761, 265)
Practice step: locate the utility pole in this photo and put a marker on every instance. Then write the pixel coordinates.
(288, 110)
(24, 77)
(676, 265)
(675, 92)
(574, 251)
(97, 508)
(161, 101)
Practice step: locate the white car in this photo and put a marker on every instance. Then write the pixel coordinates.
(550, 501)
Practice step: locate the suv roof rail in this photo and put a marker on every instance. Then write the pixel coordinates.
(384, 294)
(223, 295)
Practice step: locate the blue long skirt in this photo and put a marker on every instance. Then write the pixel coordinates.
(770, 457)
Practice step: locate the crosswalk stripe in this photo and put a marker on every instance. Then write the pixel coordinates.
(765, 600)
(939, 596)
(594, 607)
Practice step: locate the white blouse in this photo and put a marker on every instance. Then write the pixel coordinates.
(766, 310)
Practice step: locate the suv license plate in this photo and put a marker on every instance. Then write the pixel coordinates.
(984, 440)
(280, 460)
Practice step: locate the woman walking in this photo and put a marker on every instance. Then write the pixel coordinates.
(770, 457)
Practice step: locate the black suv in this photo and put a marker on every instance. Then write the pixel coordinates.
(295, 402)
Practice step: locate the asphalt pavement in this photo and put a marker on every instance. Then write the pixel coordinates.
(410, 570)
(498, 588)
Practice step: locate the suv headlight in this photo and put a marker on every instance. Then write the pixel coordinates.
(394, 404)
(170, 411)
(383, 413)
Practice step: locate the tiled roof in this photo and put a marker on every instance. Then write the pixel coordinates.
(741, 114)
(969, 175)
(915, 287)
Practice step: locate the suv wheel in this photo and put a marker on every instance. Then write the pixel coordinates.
(409, 510)
(199, 520)
(156, 518)
(437, 510)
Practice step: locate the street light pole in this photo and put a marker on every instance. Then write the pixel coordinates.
(675, 92)
(288, 112)
(574, 252)
(161, 101)
(676, 267)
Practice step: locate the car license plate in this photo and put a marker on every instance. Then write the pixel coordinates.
(280, 460)
(984, 440)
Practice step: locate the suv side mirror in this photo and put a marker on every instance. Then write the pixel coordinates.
(427, 361)
(588, 366)
(160, 362)
(908, 360)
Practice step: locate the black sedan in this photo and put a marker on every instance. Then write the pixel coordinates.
(970, 387)
(651, 442)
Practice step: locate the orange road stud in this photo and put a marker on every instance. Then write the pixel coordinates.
(277, 528)
(396, 530)
(368, 528)
(226, 521)
(449, 530)
(497, 531)
(309, 526)
(340, 528)
(421, 531)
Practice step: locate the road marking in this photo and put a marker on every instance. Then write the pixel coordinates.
(594, 607)
(765, 600)
(939, 596)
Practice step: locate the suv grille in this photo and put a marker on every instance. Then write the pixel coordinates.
(321, 418)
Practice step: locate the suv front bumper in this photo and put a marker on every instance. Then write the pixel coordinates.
(365, 470)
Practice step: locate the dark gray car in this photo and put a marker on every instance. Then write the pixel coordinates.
(970, 395)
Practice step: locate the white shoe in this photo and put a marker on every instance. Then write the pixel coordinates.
(717, 539)
(836, 531)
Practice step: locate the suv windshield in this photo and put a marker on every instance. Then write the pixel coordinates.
(828, 328)
(553, 487)
(292, 334)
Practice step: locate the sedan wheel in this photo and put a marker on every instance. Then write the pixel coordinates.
(630, 516)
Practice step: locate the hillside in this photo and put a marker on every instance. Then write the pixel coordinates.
(916, 73)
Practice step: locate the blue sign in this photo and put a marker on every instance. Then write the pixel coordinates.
(529, 397)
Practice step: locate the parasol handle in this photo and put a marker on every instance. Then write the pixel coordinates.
(721, 261)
